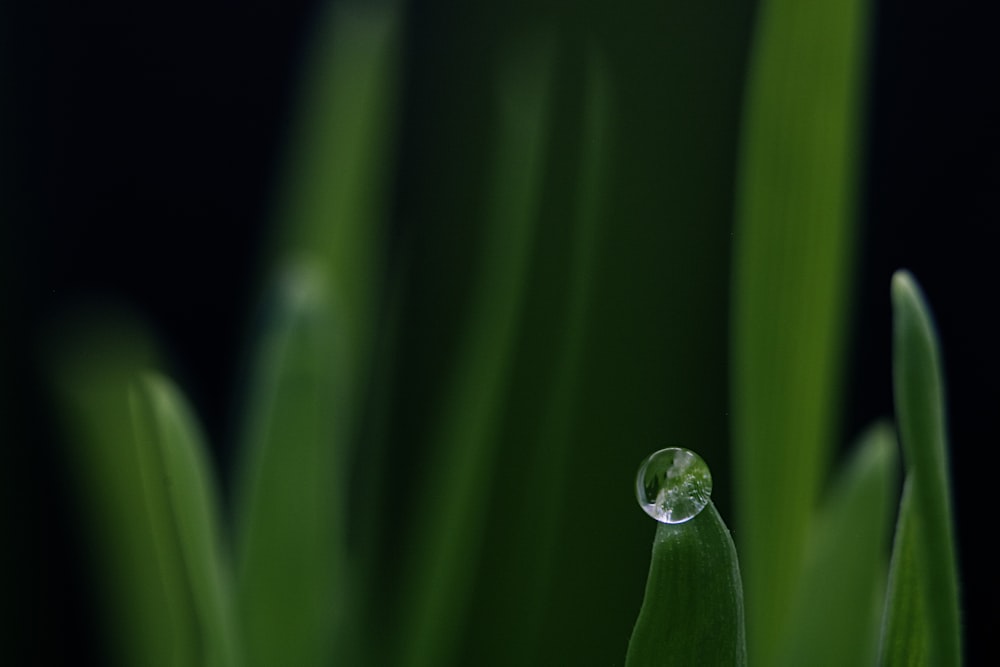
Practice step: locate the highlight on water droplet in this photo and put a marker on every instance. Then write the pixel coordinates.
(673, 485)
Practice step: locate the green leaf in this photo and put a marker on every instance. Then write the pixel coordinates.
(313, 364)
(837, 607)
(904, 625)
(149, 497)
(525, 514)
(290, 509)
(920, 412)
(173, 463)
(793, 240)
(332, 200)
(446, 532)
(693, 610)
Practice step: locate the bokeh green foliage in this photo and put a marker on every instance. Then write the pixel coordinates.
(448, 397)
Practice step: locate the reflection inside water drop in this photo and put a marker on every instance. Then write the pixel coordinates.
(673, 485)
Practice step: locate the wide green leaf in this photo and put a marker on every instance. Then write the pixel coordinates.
(920, 412)
(692, 613)
(793, 241)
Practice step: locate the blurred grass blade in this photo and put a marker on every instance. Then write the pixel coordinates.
(336, 184)
(838, 603)
(91, 377)
(693, 610)
(904, 625)
(314, 356)
(919, 398)
(173, 462)
(525, 517)
(150, 523)
(794, 234)
(448, 526)
(290, 508)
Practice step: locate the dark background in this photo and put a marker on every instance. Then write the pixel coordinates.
(139, 151)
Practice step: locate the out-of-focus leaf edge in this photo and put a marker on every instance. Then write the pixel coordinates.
(173, 457)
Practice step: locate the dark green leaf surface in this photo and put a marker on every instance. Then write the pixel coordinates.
(693, 610)
(904, 624)
(524, 517)
(797, 179)
(838, 602)
(920, 412)
(446, 534)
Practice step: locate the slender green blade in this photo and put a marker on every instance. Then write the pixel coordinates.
(920, 411)
(693, 610)
(520, 555)
(290, 507)
(904, 624)
(313, 361)
(796, 198)
(334, 190)
(838, 602)
(173, 463)
(447, 529)
(91, 375)
(159, 559)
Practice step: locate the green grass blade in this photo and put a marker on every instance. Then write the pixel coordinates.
(838, 603)
(133, 527)
(797, 180)
(291, 481)
(332, 199)
(904, 624)
(920, 411)
(693, 610)
(91, 375)
(521, 557)
(446, 532)
(313, 362)
(174, 462)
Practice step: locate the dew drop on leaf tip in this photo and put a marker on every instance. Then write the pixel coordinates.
(673, 485)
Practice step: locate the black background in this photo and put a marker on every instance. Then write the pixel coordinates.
(122, 122)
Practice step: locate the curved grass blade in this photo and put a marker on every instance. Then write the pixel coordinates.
(794, 232)
(692, 613)
(91, 375)
(447, 529)
(904, 624)
(174, 462)
(149, 499)
(291, 483)
(919, 398)
(835, 616)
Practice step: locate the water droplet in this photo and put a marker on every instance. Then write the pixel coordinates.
(673, 485)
